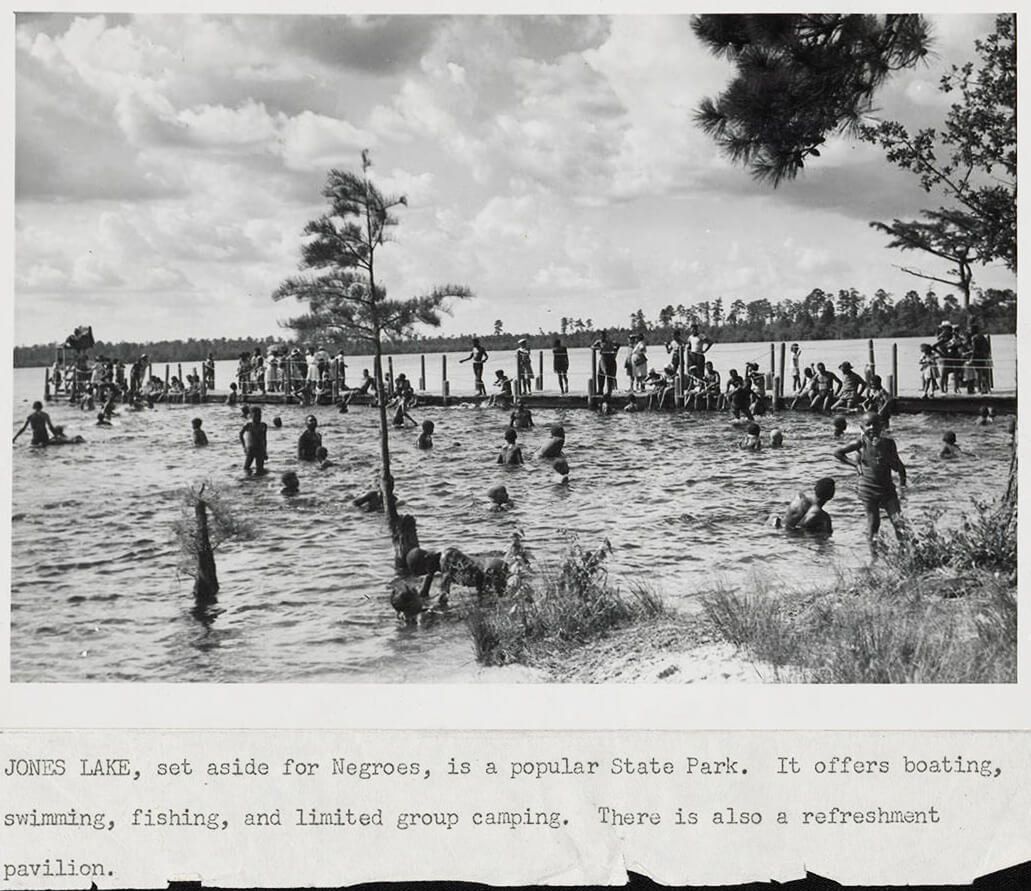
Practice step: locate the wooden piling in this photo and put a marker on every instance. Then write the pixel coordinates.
(773, 365)
(594, 368)
(991, 363)
(422, 372)
(46, 384)
(678, 391)
(444, 388)
(873, 365)
(390, 375)
(783, 360)
(540, 370)
(891, 386)
(895, 369)
(778, 391)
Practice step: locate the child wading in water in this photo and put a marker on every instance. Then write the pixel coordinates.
(200, 438)
(876, 458)
(510, 453)
(425, 440)
(949, 447)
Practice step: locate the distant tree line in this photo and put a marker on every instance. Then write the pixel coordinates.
(820, 315)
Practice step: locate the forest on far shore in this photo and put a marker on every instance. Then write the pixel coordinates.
(820, 315)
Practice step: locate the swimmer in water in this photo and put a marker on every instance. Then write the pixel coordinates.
(950, 449)
(806, 513)
(371, 502)
(401, 415)
(291, 484)
(776, 440)
(750, 441)
(322, 456)
(522, 417)
(254, 439)
(986, 416)
(877, 457)
(561, 467)
(425, 440)
(277, 422)
(40, 422)
(840, 423)
(499, 498)
(457, 568)
(200, 438)
(511, 452)
(309, 440)
(232, 395)
(554, 446)
(102, 420)
(60, 438)
(631, 403)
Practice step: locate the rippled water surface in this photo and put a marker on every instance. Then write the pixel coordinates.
(96, 594)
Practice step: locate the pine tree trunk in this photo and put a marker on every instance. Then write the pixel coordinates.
(402, 528)
(205, 585)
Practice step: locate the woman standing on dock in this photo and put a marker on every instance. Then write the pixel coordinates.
(607, 351)
(478, 355)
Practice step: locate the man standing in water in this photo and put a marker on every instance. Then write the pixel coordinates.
(877, 456)
(40, 422)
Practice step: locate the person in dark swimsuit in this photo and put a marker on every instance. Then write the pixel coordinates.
(561, 365)
(876, 457)
(40, 422)
(607, 351)
(254, 439)
(477, 356)
(309, 441)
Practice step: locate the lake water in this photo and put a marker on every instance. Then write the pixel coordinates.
(96, 594)
(723, 355)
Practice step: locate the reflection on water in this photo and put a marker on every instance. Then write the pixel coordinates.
(97, 593)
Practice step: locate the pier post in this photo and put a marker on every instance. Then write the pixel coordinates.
(422, 372)
(891, 386)
(591, 390)
(540, 370)
(778, 391)
(873, 365)
(444, 388)
(390, 375)
(773, 365)
(895, 369)
(287, 365)
(783, 359)
(594, 370)
(991, 364)
(46, 384)
(446, 391)
(678, 391)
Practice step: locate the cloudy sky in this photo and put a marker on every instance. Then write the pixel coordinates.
(165, 167)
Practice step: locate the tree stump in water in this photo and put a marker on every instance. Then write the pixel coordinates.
(205, 585)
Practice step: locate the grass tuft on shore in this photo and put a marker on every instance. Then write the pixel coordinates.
(942, 609)
(557, 606)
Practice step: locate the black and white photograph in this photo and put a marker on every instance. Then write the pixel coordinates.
(652, 349)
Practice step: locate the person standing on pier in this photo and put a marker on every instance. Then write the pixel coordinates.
(697, 346)
(208, 370)
(607, 351)
(524, 368)
(560, 359)
(477, 355)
